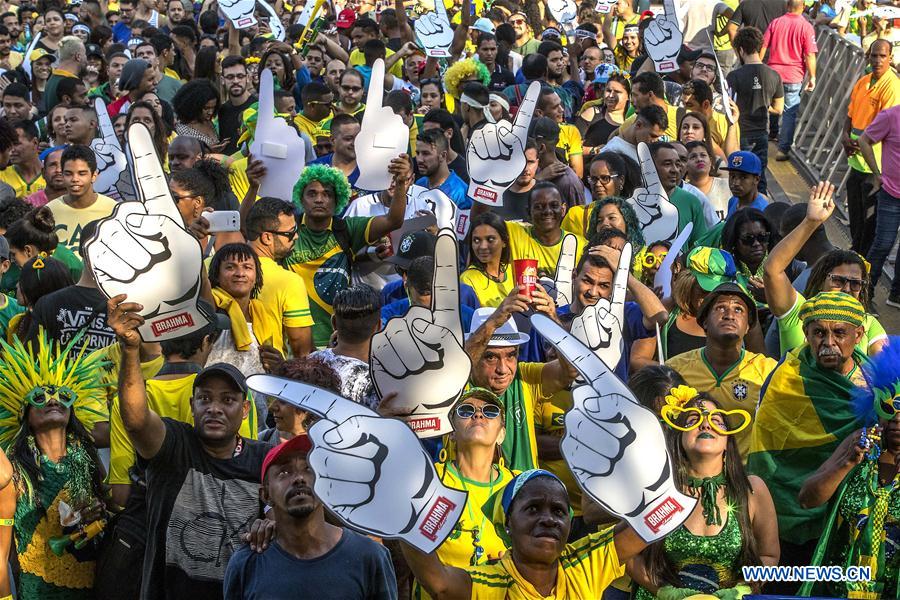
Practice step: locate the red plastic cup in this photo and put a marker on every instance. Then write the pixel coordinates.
(526, 274)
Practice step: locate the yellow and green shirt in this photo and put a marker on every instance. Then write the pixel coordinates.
(523, 244)
(489, 292)
(284, 298)
(11, 176)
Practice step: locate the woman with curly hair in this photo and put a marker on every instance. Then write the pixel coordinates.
(464, 71)
(282, 69)
(203, 186)
(612, 178)
(326, 244)
(290, 420)
(733, 525)
(196, 104)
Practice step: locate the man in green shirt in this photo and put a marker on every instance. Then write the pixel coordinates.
(665, 158)
(72, 60)
(326, 244)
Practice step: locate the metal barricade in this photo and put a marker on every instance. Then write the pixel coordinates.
(823, 113)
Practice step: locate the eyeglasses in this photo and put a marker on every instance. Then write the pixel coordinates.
(515, 22)
(652, 260)
(467, 411)
(762, 238)
(604, 179)
(289, 234)
(717, 418)
(705, 67)
(185, 197)
(840, 282)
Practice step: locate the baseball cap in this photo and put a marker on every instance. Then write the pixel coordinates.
(412, 246)
(711, 266)
(483, 25)
(545, 128)
(39, 53)
(744, 162)
(346, 18)
(93, 50)
(4, 248)
(222, 370)
(728, 288)
(603, 71)
(299, 443)
(686, 54)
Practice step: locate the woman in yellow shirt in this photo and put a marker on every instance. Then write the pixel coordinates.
(489, 272)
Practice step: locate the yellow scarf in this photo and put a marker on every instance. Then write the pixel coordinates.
(240, 331)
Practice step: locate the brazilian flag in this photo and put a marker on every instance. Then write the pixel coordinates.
(804, 413)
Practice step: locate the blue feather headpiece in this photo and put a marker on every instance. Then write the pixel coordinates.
(882, 398)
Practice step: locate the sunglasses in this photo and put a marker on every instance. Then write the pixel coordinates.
(351, 88)
(467, 411)
(839, 281)
(762, 238)
(717, 418)
(289, 234)
(651, 260)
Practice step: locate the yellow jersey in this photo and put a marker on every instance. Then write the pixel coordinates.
(357, 59)
(738, 387)
(489, 292)
(522, 244)
(585, 569)
(576, 220)
(551, 421)
(11, 176)
(70, 221)
(671, 130)
(284, 299)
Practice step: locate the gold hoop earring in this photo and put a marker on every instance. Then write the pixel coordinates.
(442, 455)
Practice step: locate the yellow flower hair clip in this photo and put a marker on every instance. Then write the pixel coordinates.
(681, 395)
(251, 60)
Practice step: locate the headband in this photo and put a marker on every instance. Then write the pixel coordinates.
(81, 27)
(584, 34)
(501, 100)
(486, 110)
(631, 29)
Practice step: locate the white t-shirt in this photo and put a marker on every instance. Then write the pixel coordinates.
(617, 144)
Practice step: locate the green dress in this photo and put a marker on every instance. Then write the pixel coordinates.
(704, 563)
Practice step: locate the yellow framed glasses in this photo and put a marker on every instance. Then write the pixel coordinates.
(652, 260)
(693, 416)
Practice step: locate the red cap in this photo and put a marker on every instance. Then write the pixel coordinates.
(298, 443)
(346, 18)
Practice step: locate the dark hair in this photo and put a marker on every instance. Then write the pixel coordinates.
(373, 50)
(342, 119)
(208, 21)
(312, 370)
(732, 230)
(12, 210)
(737, 492)
(654, 115)
(485, 37)
(207, 178)
(37, 283)
(240, 252)
(161, 43)
(748, 40)
(625, 167)
(357, 312)
(434, 137)
(188, 345)
(702, 118)
(604, 235)
(79, 152)
(496, 222)
(8, 136)
(549, 46)
(534, 66)
(17, 90)
(37, 228)
(654, 381)
(159, 138)
(28, 128)
(420, 274)
(366, 24)
(233, 61)
(649, 82)
(264, 215)
(701, 91)
(826, 264)
(185, 31)
(315, 90)
(505, 33)
(445, 121)
(655, 147)
(287, 80)
(190, 99)
(399, 101)
(67, 87)
(205, 64)
(633, 226)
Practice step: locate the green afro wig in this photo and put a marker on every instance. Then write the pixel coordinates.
(465, 69)
(328, 177)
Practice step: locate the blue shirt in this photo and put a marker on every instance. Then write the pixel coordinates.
(398, 308)
(328, 159)
(759, 204)
(454, 187)
(121, 32)
(394, 291)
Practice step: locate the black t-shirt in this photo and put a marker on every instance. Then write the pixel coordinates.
(501, 78)
(514, 207)
(458, 166)
(230, 120)
(65, 312)
(758, 13)
(197, 509)
(598, 133)
(754, 87)
(356, 568)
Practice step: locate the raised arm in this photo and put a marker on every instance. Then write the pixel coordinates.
(477, 343)
(382, 225)
(821, 485)
(462, 30)
(439, 580)
(144, 426)
(780, 294)
(406, 34)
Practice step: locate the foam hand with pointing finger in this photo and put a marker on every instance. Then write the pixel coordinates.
(239, 12)
(143, 250)
(420, 355)
(663, 39)
(433, 31)
(111, 161)
(276, 144)
(604, 7)
(615, 447)
(663, 277)
(495, 155)
(560, 287)
(599, 327)
(371, 471)
(383, 136)
(657, 216)
(275, 24)
(564, 11)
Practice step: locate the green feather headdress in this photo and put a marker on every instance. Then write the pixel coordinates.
(23, 375)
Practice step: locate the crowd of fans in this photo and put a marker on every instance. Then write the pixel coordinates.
(149, 470)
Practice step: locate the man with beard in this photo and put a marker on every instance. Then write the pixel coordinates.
(239, 97)
(309, 558)
(804, 413)
(344, 129)
(723, 368)
(55, 183)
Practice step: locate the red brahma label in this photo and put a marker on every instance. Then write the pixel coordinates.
(486, 193)
(436, 517)
(172, 323)
(661, 515)
(425, 424)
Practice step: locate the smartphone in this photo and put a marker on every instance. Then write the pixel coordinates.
(223, 220)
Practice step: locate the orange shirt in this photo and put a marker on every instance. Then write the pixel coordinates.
(866, 101)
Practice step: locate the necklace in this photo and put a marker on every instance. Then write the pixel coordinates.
(498, 279)
(708, 488)
(477, 548)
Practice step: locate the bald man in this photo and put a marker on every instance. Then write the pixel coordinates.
(184, 152)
